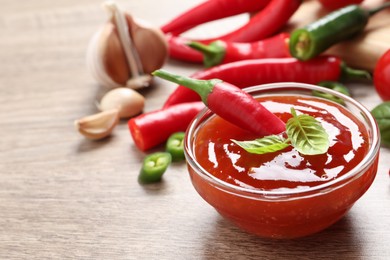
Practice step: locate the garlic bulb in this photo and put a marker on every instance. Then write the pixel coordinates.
(125, 51)
(128, 102)
(98, 126)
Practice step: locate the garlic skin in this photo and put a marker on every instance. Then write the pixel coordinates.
(150, 43)
(98, 126)
(96, 65)
(125, 50)
(127, 101)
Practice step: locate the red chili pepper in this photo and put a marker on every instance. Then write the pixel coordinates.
(260, 71)
(179, 49)
(209, 11)
(220, 52)
(267, 22)
(231, 103)
(153, 128)
(336, 4)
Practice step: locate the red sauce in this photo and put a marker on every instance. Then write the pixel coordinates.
(285, 170)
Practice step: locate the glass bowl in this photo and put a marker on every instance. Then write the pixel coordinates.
(286, 214)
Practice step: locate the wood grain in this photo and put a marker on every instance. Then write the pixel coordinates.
(64, 197)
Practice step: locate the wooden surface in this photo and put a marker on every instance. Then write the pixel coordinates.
(64, 197)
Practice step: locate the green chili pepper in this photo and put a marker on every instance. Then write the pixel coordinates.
(154, 166)
(175, 146)
(337, 26)
(337, 86)
(381, 113)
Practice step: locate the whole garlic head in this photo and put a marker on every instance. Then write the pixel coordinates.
(128, 102)
(125, 51)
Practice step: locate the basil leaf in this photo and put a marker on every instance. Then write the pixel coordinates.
(335, 86)
(307, 134)
(381, 114)
(268, 144)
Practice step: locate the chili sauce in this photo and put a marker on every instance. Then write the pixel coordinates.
(285, 170)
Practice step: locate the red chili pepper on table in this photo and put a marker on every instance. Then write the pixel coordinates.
(211, 10)
(264, 24)
(179, 49)
(336, 4)
(260, 71)
(220, 52)
(231, 103)
(153, 128)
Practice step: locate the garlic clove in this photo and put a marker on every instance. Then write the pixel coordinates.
(150, 43)
(127, 101)
(131, 53)
(101, 69)
(125, 49)
(114, 63)
(98, 126)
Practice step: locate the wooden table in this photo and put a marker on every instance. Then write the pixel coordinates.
(64, 197)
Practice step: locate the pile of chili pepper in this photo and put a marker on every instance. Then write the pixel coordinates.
(208, 11)
(221, 52)
(258, 52)
(247, 73)
(270, 18)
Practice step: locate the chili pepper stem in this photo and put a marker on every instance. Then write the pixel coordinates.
(373, 11)
(205, 49)
(212, 53)
(350, 73)
(202, 87)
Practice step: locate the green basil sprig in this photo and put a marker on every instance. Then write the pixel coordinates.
(382, 115)
(268, 144)
(304, 133)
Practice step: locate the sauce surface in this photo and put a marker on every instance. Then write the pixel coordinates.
(285, 170)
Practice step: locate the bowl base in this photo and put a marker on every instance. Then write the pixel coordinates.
(284, 231)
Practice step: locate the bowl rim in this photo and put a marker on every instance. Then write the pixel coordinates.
(357, 171)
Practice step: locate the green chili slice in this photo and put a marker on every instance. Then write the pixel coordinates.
(154, 166)
(175, 146)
